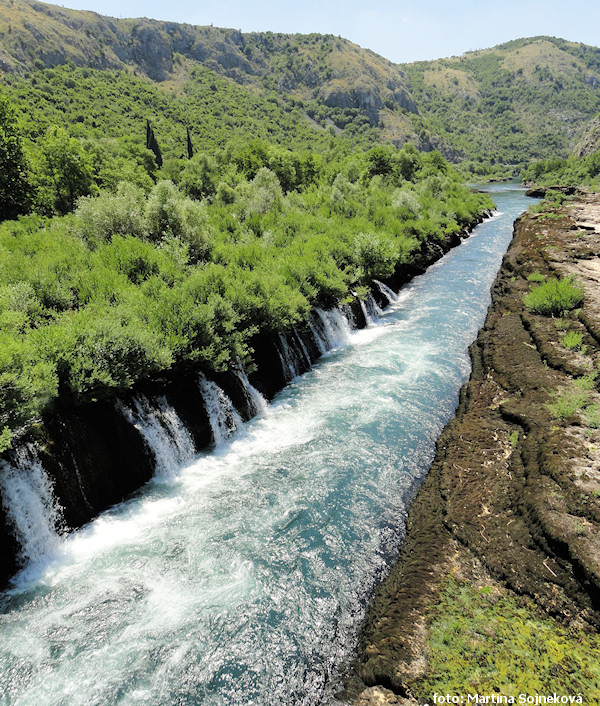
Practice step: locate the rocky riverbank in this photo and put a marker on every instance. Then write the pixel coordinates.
(503, 534)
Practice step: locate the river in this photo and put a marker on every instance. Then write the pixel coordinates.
(242, 577)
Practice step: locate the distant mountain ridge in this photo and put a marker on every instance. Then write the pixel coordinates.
(341, 74)
(531, 98)
(495, 109)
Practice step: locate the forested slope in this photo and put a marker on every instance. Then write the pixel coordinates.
(503, 107)
(492, 110)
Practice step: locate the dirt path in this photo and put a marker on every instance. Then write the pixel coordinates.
(513, 496)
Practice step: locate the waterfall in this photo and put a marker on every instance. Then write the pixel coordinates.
(317, 330)
(288, 358)
(30, 505)
(256, 402)
(388, 293)
(303, 349)
(366, 314)
(330, 329)
(223, 417)
(335, 327)
(162, 430)
(349, 316)
(375, 311)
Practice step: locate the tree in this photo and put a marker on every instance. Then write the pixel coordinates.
(64, 172)
(15, 187)
(199, 177)
(380, 161)
(190, 147)
(152, 144)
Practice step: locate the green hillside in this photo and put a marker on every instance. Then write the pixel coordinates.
(323, 78)
(503, 107)
(493, 110)
(98, 104)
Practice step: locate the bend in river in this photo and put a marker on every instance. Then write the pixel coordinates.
(243, 578)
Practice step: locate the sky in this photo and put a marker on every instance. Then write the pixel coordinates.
(400, 31)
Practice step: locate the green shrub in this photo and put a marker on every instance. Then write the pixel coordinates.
(6, 437)
(536, 277)
(63, 171)
(343, 195)
(225, 194)
(261, 195)
(572, 341)
(106, 351)
(407, 202)
(555, 297)
(163, 211)
(101, 217)
(586, 382)
(591, 416)
(375, 255)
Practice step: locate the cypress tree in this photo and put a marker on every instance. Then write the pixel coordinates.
(152, 144)
(190, 148)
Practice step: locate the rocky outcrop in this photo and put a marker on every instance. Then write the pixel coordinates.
(590, 142)
(366, 97)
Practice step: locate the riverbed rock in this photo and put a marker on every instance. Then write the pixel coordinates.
(512, 499)
(378, 696)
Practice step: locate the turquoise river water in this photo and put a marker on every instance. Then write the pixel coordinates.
(242, 577)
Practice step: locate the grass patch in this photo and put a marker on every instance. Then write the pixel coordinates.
(483, 643)
(513, 438)
(555, 297)
(537, 208)
(587, 382)
(536, 277)
(572, 341)
(567, 403)
(591, 416)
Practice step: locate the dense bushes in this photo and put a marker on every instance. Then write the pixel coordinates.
(15, 187)
(136, 281)
(571, 171)
(62, 172)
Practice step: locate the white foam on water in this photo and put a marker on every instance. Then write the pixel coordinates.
(163, 431)
(223, 417)
(29, 502)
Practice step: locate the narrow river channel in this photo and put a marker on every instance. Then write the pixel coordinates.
(242, 578)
